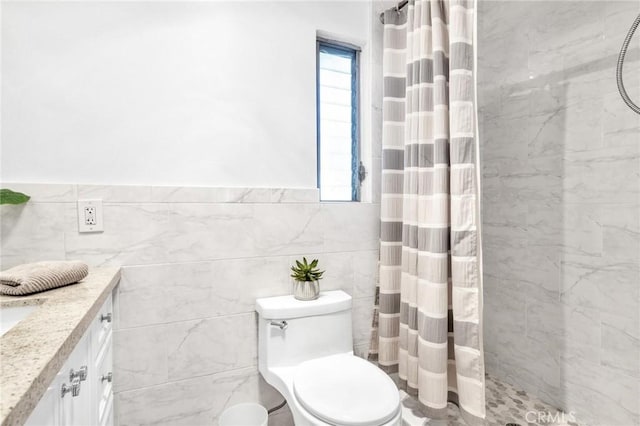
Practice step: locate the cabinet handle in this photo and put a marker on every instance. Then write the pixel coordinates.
(105, 317)
(108, 377)
(74, 388)
(81, 374)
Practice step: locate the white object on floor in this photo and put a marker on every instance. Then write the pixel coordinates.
(306, 353)
(246, 414)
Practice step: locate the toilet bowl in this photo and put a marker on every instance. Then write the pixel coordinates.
(305, 352)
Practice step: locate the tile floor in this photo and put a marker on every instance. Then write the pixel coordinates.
(506, 405)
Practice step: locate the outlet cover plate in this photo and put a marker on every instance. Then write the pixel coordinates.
(90, 216)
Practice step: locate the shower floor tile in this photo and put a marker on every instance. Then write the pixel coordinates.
(505, 405)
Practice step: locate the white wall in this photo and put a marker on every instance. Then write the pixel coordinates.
(184, 94)
(165, 93)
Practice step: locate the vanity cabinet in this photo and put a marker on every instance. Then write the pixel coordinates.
(81, 394)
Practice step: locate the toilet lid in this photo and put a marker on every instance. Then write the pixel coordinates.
(346, 390)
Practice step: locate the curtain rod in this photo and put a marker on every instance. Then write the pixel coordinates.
(400, 5)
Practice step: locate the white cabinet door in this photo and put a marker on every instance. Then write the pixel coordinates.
(104, 391)
(46, 412)
(101, 338)
(87, 400)
(75, 407)
(101, 327)
(82, 410)
(108, 418)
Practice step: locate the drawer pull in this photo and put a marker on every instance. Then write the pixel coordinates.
(74, 388)
(81, 374)
(108, 377)
(105, 317)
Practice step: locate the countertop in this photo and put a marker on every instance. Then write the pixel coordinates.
(32, 352)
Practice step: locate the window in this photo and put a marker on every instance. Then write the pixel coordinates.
(337, 122)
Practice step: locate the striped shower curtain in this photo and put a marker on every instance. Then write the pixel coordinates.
(429, 319)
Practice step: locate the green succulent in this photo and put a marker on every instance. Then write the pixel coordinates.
(8, 196)
(304, 271)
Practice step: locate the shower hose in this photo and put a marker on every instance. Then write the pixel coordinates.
(623, 52)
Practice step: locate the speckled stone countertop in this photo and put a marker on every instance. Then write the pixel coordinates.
(32, 352)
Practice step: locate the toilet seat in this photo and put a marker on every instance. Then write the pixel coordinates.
(346, 390)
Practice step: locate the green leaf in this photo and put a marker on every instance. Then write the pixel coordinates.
(305, 271)
(8, 196)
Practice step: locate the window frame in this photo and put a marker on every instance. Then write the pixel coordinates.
(353, 52)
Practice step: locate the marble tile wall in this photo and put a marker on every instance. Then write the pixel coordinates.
(194, 261)
(561, 204)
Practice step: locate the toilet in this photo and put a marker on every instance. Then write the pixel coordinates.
(305, 351)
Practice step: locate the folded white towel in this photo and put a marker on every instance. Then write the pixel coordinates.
(41, 276)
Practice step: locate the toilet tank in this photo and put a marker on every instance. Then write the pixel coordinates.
(314, 328)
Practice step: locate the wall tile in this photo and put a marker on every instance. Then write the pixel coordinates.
(194, 261)
(583, 121)
(287, 228)
(140, 358)
(211, 345)
(237, 283)
(116, 193)
(621, 343)
(376, 179)
(133, 234)
(142, 296)
(597, 283)
(203, 231)
(337, 267)
(198, 401)
(544, 317)
(491, 362)
(192, 402)
(560, 204)
(584, 388)
(209, 231)
(256, 389)
(350, 226)
(621, 125)
(178, 194)
(45, 193)
(505, 307)
(621, 231)
(295, 195)
(29, 226)
(582, 330)
(581, 230)
(362, 316)
(365, 273)
(608, 175)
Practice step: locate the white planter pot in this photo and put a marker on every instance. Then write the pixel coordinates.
(306, 290)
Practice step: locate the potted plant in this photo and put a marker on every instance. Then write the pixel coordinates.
(305, 279)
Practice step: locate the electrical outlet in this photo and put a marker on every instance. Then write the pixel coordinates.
(90, 216)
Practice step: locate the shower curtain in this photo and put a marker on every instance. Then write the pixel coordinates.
(429, 319)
